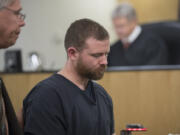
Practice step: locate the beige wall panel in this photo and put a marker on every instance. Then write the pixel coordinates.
(18, 85)
(155, 10)
(148, 97)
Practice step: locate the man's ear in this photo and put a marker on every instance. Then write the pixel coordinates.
(72, 52)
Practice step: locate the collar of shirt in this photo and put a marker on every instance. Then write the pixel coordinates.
(132, 37)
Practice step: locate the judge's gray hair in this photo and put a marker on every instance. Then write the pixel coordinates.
(4, 3)
(124, 10)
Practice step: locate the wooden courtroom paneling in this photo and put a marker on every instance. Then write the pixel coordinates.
(18, 85)
(151, 98)
(155, 10)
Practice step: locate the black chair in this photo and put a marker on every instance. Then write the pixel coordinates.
(169, 31)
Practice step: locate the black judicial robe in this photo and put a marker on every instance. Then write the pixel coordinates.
(147, 49)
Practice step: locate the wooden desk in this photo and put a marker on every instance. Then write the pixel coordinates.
(151, 98)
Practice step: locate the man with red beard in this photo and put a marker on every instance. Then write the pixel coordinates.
(69, 102)
(11, 21)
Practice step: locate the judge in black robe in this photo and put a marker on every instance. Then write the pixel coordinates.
(135, 45)
(147, 49)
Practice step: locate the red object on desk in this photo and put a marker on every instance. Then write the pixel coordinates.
(136, 129)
